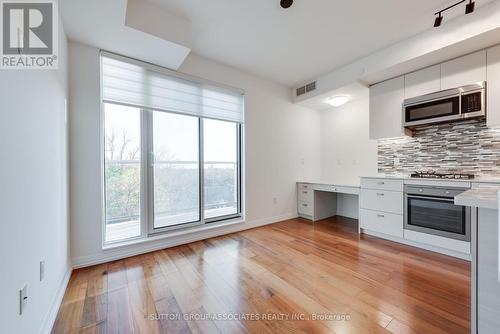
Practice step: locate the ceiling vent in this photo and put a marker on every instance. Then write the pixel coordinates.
(306, 89)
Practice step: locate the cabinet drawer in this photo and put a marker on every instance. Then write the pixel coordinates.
(382, 184)
(305, 208)
(337, 189)
(381, 200)
(381, 222)
(306, 195)
(305, 186)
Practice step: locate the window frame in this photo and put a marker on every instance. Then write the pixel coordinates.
(147, 179)
(238, 214)
(147, 214)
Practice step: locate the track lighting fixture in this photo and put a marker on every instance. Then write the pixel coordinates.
(438, 20)
(469, 8)
(286, 3)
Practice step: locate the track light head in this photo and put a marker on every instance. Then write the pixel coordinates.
(286, 3)
(469, 8)
(438, 20)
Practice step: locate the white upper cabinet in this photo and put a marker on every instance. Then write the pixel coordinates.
(386, 109)
(425, 81)
(465, 70)
(493, 87)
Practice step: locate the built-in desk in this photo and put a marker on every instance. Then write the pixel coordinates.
(318, 201)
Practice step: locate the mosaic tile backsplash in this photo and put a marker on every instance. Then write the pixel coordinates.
(464, 147)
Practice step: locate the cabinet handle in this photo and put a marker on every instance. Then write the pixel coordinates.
(381, 216)
(304, 204)
(380, 194)
(381, 183)
(304, 192)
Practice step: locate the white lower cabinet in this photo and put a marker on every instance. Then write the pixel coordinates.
(381, 222)
(380, 209)
(382, 200)
(306, 208)
(306, 195)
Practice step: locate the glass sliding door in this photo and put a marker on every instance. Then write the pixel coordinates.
(221, 169)
(176, 169)
(122, 172)
(172, 148)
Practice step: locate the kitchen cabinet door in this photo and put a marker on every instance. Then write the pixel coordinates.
(425, 81)
(386, 109)
(463, 71)
(493, 87)
(488, 285)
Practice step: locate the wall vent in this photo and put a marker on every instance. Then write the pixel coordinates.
(306, 89)
(301, 90)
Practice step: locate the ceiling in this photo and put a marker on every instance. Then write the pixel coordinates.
(309, 39)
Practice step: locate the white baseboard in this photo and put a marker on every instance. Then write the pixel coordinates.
(167, 242)
(50, 317)
(431, 248)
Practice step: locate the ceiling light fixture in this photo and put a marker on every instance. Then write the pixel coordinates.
(469, 8)
(286, 3)
(338, 100)
(438, 20)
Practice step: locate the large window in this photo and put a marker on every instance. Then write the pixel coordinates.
(176, 169)
(122, 147)
(172, 150)
(221, 152)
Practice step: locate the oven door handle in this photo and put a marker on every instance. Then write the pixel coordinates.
(431, 197)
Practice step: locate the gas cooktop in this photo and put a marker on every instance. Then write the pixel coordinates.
(435, 175)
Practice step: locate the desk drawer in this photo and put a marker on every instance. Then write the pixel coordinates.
(381, 222)
(305, 208)
(382, 184)
(305, 186)
(337, 189)
(381, 200)
(306, 195)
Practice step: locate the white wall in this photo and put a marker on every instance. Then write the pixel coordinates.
(347, 153)
(282, 146)
(33, 193)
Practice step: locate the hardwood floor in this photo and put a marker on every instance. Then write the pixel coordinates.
(290, 269)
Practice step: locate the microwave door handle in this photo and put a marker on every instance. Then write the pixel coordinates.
(447, 199)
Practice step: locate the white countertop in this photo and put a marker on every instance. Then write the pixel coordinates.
(342, 183)
(486, 198)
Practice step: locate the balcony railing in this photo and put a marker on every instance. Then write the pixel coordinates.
(126, 226)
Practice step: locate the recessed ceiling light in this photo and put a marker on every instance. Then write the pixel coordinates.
(337, 100)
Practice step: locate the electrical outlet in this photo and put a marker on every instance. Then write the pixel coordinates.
(23, 299)
(42, 270)
(302, 161)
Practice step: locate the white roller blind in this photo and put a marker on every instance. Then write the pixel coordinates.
(147, 86)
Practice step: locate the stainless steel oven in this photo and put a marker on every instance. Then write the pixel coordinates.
(446, 106)
(432, 210)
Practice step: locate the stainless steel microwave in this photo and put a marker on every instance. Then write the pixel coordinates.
(446, 106)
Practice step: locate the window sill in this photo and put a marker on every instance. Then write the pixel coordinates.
(173, 234)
